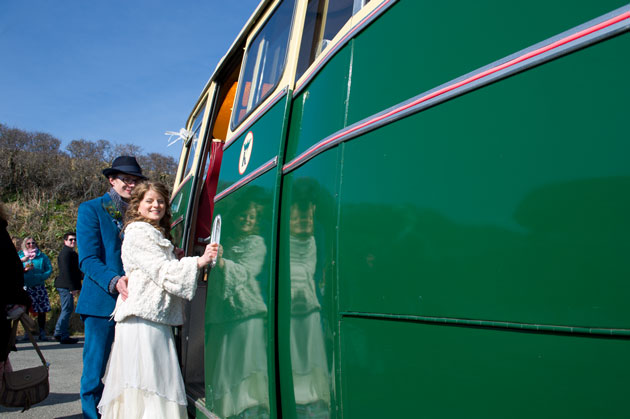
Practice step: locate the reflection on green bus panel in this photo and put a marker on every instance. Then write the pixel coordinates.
(423, 210)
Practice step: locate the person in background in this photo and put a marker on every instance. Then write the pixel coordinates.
(37, 269)
(99, 228)
(143, 377)
(13, 298)
(68, 284)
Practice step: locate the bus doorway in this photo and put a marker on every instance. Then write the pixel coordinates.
(200, 214)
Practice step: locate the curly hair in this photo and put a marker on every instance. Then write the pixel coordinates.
(137, 195)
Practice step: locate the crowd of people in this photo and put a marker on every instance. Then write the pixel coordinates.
(131, 282)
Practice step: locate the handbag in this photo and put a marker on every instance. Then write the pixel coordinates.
(26, 387)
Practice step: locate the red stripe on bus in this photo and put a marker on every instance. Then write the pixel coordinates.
(262, 169)
(464, 82)
(179, 220)
(181, 185)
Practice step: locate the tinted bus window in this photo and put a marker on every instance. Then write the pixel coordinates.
(324, 19)
(194, 141)
(264, 62)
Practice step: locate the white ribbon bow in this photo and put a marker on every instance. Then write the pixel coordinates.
(182, 135)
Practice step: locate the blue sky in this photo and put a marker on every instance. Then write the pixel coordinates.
(125, 71)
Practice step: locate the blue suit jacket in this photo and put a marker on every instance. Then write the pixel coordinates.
(98, 239)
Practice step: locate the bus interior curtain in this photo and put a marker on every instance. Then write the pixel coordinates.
(212, 177)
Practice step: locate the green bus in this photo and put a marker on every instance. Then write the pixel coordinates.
(424, 211)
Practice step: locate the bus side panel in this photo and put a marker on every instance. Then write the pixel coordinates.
(238, 312)
(240, 320)
(418, 45)
(307, 320)
(320, 109)
(509, 203)
(267, 137)
(402, 369)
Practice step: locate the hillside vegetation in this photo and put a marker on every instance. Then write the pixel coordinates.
(41, 187)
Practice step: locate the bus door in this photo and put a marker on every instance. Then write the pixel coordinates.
(308, 319)
(240, 306)
(222, 92)
(190, 336)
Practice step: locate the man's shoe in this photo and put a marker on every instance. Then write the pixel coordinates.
(57, 338)
(69, 341)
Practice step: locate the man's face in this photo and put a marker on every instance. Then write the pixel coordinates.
(123, 184)
(301, 220)
(71, 241)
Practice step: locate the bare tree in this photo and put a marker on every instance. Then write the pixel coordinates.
(44, 143)
(13, 138)
(126, 150)
(88, 150)
(34, 166)
(159, 167)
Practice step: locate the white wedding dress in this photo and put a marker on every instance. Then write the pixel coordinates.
(143, 378)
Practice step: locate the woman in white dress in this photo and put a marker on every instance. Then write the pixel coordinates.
(143, 378)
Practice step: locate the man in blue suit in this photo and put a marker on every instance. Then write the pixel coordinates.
(99, 227)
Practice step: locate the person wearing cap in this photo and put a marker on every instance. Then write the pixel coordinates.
(99, 226)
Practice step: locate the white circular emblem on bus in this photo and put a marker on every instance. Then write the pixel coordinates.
(246, 152)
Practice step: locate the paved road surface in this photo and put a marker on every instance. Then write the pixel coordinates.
(65, 370)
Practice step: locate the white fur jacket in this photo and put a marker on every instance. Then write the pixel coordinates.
(158, 282)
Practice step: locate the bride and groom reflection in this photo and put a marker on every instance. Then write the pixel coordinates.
(238, 310)
(311, 377)
(237, 314)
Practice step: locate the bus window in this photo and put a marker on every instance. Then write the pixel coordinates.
(193, 143)
(220, 128)
(264, 62)
(324, 19)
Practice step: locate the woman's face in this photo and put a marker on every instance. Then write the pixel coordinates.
(153, 206)
(30, 244)
(247, 220)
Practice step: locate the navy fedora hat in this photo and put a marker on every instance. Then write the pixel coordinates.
(125, 164)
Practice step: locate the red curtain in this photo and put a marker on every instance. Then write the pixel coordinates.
(209, 189)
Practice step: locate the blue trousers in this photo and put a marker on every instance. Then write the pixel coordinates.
(99, 335)
(67, 308)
